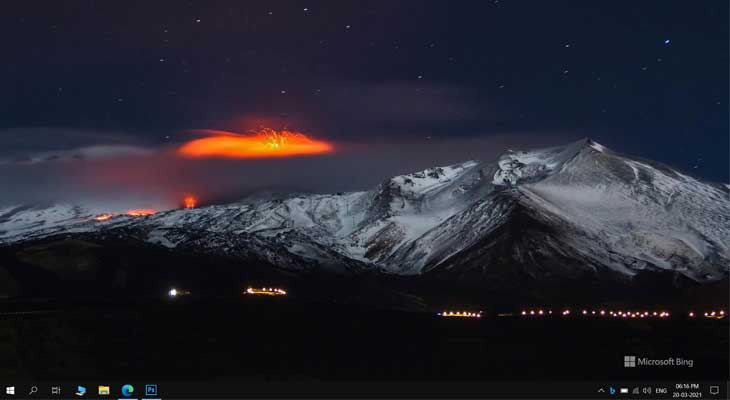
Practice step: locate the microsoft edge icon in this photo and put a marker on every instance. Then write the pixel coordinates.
(127, 390)
(150, 390)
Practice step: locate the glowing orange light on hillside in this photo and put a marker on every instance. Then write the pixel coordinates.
(264, 143)
(103, 217)
(460, 314)
(190, 202)
(140, 212)
(265, 291)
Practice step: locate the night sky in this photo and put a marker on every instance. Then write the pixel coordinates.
(93, 94)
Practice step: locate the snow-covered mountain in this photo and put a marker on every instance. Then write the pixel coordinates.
(550, 213)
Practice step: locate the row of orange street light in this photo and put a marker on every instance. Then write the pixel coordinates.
(539, 312)
(265, 291)
(599, 313)
(461, 314)
(714, 314)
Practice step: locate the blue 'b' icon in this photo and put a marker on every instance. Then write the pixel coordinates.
(611, 391)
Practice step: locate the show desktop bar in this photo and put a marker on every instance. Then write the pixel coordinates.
(367, 390)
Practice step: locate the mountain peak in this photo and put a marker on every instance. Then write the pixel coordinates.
(584, 143)
(590, 143)
(569, 148)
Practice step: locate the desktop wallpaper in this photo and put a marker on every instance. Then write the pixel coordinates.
(340, 190)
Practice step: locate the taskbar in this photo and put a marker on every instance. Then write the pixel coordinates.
(365, 390)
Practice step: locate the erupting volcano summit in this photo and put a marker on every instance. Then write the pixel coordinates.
(264, 143)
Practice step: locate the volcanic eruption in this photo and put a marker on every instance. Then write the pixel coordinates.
(264, 143)
(190, 202)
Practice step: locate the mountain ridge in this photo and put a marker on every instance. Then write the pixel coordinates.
(575, 209)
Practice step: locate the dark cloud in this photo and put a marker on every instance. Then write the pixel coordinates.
(25, 142)
(398, 109)
(77, 154)
(345, 110)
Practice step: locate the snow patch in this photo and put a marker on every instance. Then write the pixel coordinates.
(598, 147)
(157, 236)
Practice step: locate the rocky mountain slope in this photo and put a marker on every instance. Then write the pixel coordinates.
(556, 213)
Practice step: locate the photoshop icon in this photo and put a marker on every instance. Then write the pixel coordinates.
(629, 361)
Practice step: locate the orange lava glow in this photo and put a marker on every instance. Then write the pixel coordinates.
(140, 212)
(103, 217)
(190, 202)
(265, 143)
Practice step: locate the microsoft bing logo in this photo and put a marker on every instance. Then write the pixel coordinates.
(629, 361)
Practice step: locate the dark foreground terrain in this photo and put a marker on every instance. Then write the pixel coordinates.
(285, 339)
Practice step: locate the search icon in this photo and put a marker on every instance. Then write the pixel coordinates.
(33, 389)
